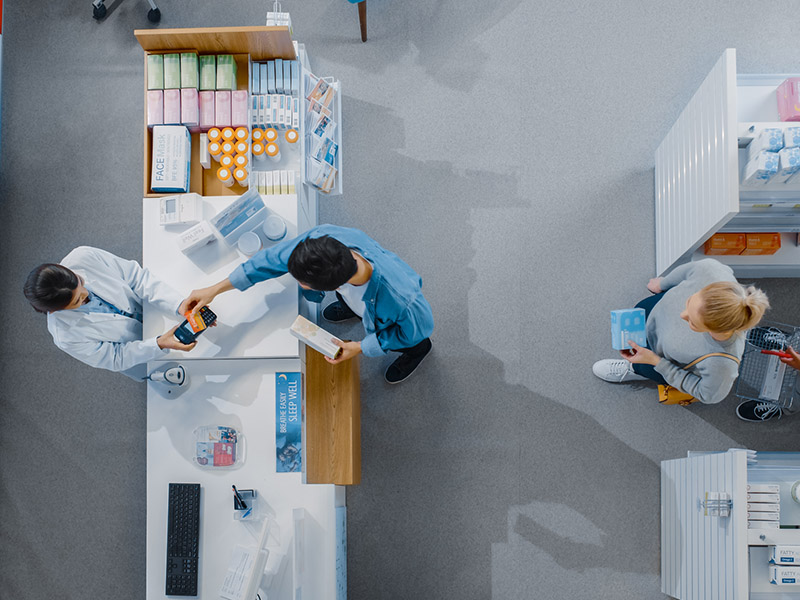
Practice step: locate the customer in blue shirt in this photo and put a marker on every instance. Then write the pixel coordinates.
(370, 282)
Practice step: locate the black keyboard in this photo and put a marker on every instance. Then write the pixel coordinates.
(183, 535)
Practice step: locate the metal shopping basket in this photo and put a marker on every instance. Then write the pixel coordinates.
(763, 377)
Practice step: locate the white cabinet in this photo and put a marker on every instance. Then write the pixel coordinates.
(698, 169)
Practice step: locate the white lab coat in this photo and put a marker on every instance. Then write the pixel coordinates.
(108, 340)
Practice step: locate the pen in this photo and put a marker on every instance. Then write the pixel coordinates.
(777, 353)
(238, 497)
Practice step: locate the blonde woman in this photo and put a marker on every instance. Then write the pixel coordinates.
(698, 309)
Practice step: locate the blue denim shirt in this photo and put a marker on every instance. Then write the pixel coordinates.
(397, 316)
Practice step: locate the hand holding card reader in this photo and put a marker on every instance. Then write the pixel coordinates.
(194, 325)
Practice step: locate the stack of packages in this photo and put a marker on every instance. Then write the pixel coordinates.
(784, 565)
(763, 506)
(773, 156)
(322, 151)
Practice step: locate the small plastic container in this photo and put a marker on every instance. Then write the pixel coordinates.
(241, 147)
(227, 147)
(273, 152)
(240, 175)
(257, 135)
(214, 135)
(270, 135)
(258, 150)
(228, 134)
(240, 134)
(215, 150)
(218, 447)
(249, 243)
(226, 160)
(274, 228)
(225, 176)
(291, 136)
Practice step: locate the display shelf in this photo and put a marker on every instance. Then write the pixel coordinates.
(785, 192)
(760, 587)
(784, 263)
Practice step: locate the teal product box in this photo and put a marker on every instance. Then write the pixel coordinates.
(172, 71)
(190, 70)
(287, 77)
(172, 155)
(769, 139)
(270, 78)
(628, 324)
(226, 72)
(255, 79)
(791, 137)
(264, 67)
(279, 87)
(208, 72)
(155, 71)
(788, 164)
(761, 168)
(295, 77)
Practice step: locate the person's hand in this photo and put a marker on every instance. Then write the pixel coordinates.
(654, 285)
(793, 362)
(197, 300)
(639, 355)
(349, 350)
(168, 341)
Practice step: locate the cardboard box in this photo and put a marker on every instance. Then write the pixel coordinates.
(172, 151)
(155, 107)
(316, 337)
(190, 108)
(762, 244)
(190, 70)
(761, 168)
(788, 94)
(172, 107)
(172, 71)
(628, 324)
(784, 575)
(729, 244)
(155, 71)
(208, 72)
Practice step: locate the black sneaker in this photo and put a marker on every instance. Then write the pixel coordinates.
(756, 412)
(338, 311)
(403, 367)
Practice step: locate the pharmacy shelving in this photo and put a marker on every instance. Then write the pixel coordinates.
(698, 172)
(707, 557)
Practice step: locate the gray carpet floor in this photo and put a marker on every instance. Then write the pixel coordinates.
(505, 150)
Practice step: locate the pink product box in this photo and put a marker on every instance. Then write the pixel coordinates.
(239, 108)
(207, 120)
(789, 99)
(222, 108)
(190, 111)
(172, 107)
(155, 107)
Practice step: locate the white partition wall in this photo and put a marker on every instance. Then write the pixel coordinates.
(696, 168)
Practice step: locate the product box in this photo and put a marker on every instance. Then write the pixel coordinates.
(761, 168)
(268, 184)
(205, 156)
(190, 108)
(284, 182)
(763, 516)
(296, 113)
(763, 507)
(226, 72)
(155, 107)
(263, 73)
(784, 575)
(292, 184)
(222, 108)
(278, 76)
(295, 77)
(196, 237)
(172, 153)
(180, 209)
(239, 108)
(788, 94)
(155, 71)
(287, 77)
(190, 70)
(788, 164)
(255, 78)
(276, 182)
(758, 497)
(729, 244)
(762, 244)
(316, 337)
(172, 71)
(207, 110)
(769, 139)
(791, 137)
(784, 555)
(628, 324)
(172, 107)
(763, 524)
(270, 78)
(208, 72)
(764, 488)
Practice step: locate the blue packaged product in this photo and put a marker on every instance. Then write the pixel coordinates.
(628, 324)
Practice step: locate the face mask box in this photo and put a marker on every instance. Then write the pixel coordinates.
(784, 575)
(784, 555)
(171, 156)
(725, 244)
(172, 107)
(172, 71)
(628, 324)
(761, 168)
(788, 94)
(767, 140)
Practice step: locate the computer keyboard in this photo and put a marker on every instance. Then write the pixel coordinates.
(183, 535)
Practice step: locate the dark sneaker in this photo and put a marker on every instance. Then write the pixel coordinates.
(338, 311)
(756, 412)
(403, 367)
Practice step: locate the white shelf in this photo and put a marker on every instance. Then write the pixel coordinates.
(784, 263)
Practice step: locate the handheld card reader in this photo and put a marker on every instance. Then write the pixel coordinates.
(194, 325)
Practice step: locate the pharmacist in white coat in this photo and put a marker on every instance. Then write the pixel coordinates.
(93, 301)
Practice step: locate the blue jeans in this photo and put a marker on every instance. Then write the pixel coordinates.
(649, 371)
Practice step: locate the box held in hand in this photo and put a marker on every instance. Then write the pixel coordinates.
(628, 324)
(316, 337)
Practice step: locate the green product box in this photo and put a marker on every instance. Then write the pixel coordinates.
(208, 72)
(190, 70)
(172, 71)
(155, 72)
(226, 72)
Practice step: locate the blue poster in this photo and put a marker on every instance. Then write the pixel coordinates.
(288, 422)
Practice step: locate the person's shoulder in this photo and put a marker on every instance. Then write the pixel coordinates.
(713, 266)
(85, 253)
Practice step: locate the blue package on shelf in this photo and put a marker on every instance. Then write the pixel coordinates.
(270, 78)
(295, 77)
(278, 75)
(264, 78)
(287, 77)
(628, 324)
(255, 82)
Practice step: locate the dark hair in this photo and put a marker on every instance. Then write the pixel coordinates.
(322, 263)
(50, 287)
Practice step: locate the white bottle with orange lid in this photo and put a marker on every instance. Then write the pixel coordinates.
(226, 160)
(273, 152)
(258, 150)
(241, 134)
(227, 134)
(241, 147)
(240, 175)
(240, 160)
(270, 135)
(227, 147)
(215, 150)
(214, 135)
(291, 136)
(257, 135)
(225, 176)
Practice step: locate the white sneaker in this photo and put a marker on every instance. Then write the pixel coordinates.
(615, 370)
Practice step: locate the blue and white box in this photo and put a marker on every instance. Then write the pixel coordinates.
(761, 168)
(278, 75)
(784, 575)
(244, 214)
(628, 324)
(172, 155)
(788, 164)
(287, 77)
(768, 140)
(270, 78)
(296, 78)
(255, 82)
(791, 137)
(263, 75)
(784, 555)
